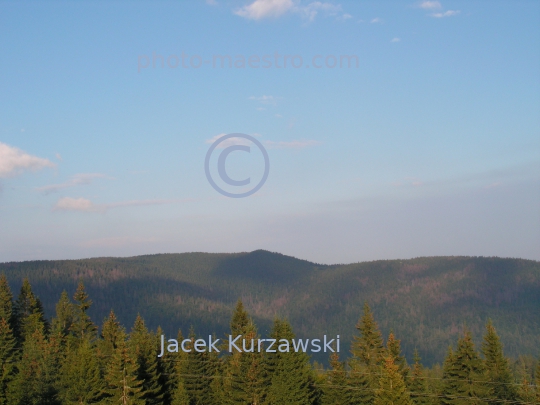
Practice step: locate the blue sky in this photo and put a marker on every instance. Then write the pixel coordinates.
(427, 145)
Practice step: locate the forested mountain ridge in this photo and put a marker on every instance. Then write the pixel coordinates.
(425, 301)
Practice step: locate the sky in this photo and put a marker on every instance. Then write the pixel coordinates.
(393, 129)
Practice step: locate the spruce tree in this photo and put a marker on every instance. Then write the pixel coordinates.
(28, 314)
(335, 390)
(393, 346)
(291, 376)
(367, 356)
(80, 377)
(417, 383)
(144, 350)
(464, 376)
(8, 358)
(35, 383)
(6, 301)
(63, 321)
(392, 389)
(122, 385)
(499, 377)
(368, 347)
(82, 326)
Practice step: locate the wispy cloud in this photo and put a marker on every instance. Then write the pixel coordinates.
(14, 161)
(430, 5)
(447, 13)
(265, 99)
(261, 9)
(85, 205)
(376, 20)
(76, 204)
(76, 180)
(395, 40)
(292, 144)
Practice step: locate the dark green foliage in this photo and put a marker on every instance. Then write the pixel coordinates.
(6, 301)
(144, 349)
(7, 359)
(80, 380)
(417, 383)
(421, 300)
(28, 313)
(65, 313)
(499, 378)
(71, 364)
(38, 371)
(368, 346)
(335, 386)
(465, 381)
(292, 378)
(122, 384)
(82, 326)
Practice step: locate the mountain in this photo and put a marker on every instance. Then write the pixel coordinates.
(426, 301)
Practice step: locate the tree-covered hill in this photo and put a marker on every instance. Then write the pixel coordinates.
(425, 301)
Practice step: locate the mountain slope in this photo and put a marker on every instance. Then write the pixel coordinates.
(426, 301)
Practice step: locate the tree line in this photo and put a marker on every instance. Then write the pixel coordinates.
(69, 360)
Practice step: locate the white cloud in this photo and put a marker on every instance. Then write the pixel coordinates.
(376, 20)
(346, 16)
(448, 13)
(261, 9)
(265, 9)
(76, 180)
(292, 144)
(58, 156)
(76, 204)
(395, 39)
(430, 5)
(14, 161)
(312, 9)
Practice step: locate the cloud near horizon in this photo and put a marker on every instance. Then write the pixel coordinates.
(76, 180)
(14, 161)
(85, 205)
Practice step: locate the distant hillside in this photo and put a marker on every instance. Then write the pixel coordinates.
(426, 301)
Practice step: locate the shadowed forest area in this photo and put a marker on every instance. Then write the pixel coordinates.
(69, 360)
(425, 301)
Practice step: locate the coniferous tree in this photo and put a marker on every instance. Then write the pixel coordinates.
(499, 377)
(63, 321)
(28, 314)
(367, 355)
(82, 326)
(417, 383)
(464, 375)
(392, 389)
(35, 383)
(244, 379)
(7, 359)
(122, 385)
(368, 347)
(144, 349)
(6, 301)
(537, 381)
(291, 377)
(80, 377)
(393, 346)
(335, 390)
